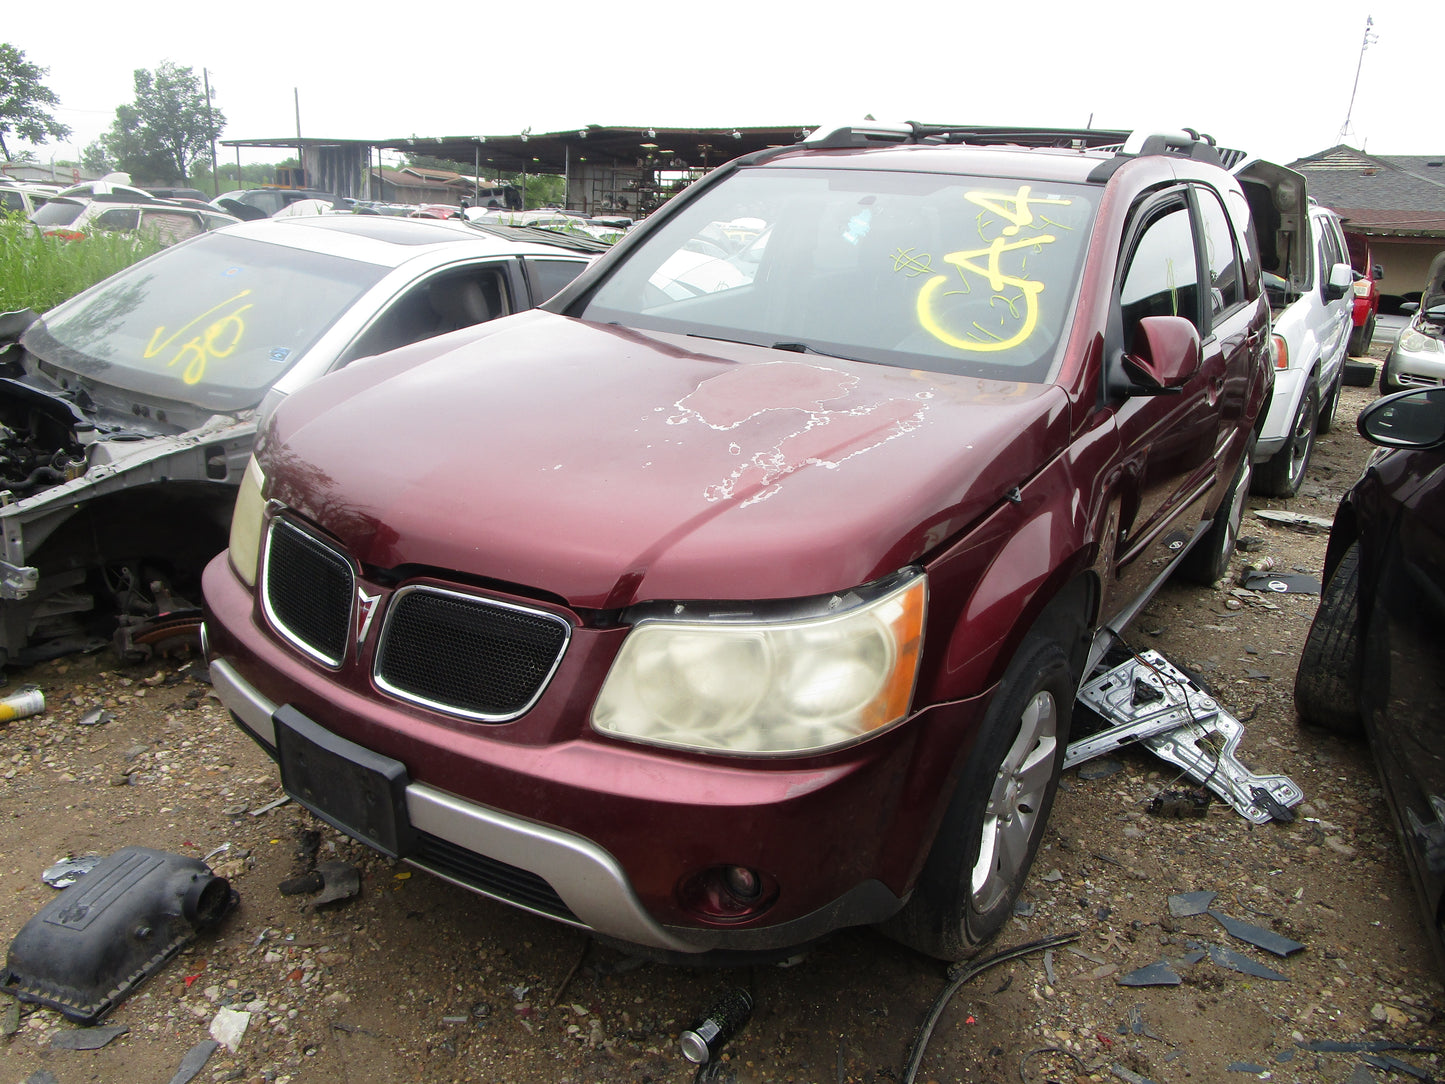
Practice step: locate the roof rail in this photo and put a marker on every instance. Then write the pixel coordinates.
(1186, 142)
(859, 135)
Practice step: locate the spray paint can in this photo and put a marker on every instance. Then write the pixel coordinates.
(28, 700)
(704, 1040)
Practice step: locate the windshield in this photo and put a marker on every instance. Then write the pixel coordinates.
(214, 322)
(955, 274)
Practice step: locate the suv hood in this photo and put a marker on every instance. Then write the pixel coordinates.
(608, 466)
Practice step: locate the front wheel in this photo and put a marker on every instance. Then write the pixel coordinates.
(1282, 474)
(1361, 336)
(996, 818)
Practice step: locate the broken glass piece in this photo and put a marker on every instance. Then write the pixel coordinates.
(1257, 935)
(1243, 964)
(1395, 1065)
(1158, 973)
(1190, 903)
(194, 1061)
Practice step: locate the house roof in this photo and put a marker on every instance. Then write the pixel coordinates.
(1396, 194)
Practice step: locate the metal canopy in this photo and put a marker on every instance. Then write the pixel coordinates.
(559, 152)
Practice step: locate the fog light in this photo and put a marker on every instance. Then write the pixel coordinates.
(728, 893)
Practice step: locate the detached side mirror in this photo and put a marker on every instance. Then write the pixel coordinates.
(1164, 355)
(1340, 280)
(1407, 419)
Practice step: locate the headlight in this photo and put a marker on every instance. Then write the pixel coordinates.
(1412, 342)
(786, 686)
(246, 523)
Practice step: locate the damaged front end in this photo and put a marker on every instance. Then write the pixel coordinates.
(89, 536)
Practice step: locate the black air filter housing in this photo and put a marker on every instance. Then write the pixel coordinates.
(88, 949)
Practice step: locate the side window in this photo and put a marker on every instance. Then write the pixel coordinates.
(1332, 252)
(445, 302)
(1161, 278)
(1220, 257)
(117, 218)
(548, 276)
(170, 226)
(11, 201)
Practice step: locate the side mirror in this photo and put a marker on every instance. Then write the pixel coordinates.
(1377, 272)
(1164, 355)
(1340, 280)
(1407, 419)
(1410, 308)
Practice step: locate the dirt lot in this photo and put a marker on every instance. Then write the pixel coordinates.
(418, 981)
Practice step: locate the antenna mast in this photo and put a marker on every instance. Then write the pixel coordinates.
(1369, 39)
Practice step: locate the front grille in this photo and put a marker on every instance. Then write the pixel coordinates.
(307, 592)
(488, 875)
(472, 656)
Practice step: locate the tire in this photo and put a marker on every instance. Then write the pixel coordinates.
(1387, 382)
(1331, 404)
(1282, 474)
(1327, 683)
(1208, 559)
(1361, 336)
(996, 818)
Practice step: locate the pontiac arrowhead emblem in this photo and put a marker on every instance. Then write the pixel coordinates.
(365, 611)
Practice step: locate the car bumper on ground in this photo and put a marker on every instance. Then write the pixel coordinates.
(1289, 386)
(601, 834)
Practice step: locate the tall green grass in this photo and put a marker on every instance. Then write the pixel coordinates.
(39, 272)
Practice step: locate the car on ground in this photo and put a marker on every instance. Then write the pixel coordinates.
(1309, 294)
(22, 199)
(1367, 293)
(127, 413)
(1371, 661)
(1417, 357)
(715, 620)
(267, 201)
(74, 217)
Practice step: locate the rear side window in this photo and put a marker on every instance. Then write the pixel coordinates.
(117, 218)
(1220, 257)
(1162, 277)
(11, 201)
(170, 226)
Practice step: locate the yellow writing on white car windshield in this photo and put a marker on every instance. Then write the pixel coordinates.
(218, 339)
(1018, 294)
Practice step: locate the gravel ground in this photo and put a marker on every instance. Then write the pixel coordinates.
(415, 980)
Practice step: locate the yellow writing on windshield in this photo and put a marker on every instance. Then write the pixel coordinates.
(1021, 301)
(217, 339)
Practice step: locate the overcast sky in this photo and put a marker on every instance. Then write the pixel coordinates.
(1272, 78)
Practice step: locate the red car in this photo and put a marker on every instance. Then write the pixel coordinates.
(743, 593)
(1367, 293)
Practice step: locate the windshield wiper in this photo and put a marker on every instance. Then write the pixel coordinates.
(804, 348)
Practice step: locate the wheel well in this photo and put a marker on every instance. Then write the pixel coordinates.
(1068, 618)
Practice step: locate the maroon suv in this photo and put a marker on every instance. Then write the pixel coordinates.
(742, 594)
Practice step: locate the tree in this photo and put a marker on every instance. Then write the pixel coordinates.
(160, 135)
(25, 102)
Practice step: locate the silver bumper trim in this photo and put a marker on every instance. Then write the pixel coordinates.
(588, 879)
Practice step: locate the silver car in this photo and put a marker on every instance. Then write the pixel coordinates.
(1418, 357)
(127, 414)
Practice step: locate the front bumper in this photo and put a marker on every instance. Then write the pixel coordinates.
(1417, 369)
(599, 833)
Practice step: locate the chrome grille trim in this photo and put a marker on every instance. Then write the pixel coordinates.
(479, 602)
(278, 622)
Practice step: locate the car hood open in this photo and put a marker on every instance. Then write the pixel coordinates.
(1434, 292)
(608, 466)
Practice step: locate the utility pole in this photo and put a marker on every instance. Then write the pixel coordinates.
(211, 131)
(1369, 39)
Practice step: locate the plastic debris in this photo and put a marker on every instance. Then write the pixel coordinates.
(1243, 964)
(1129, 1076)
(69, 870)
(259, 810)
(1296, 520)
(340, 881)
(228, 1027)
(194, 1061)
(86, 1038)
(1257, 935)
(1282, 583)
(1158, 973)
(1395, 1065)
(95, 718)
(1190, 903)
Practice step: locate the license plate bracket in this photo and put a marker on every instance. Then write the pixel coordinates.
(351, 788)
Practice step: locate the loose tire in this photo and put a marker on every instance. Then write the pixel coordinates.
(1208, 559)
(1327, 683)
(1282, 473)
(996, 818)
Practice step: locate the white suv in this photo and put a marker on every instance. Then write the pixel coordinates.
(1311, 306)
